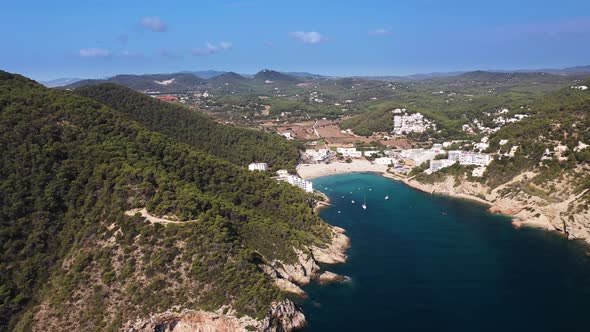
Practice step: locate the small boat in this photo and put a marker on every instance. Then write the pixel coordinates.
(338, 211)
(370, 189)
(386, 197)
(444, 213)
(352, 201)
(365, 203)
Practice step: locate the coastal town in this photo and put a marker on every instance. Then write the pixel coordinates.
(325, 156)
(321, 155)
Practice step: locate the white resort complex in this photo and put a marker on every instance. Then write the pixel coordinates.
(258, 167)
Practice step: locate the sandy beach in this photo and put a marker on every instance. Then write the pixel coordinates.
(311, 171)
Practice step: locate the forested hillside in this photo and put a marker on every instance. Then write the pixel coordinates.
(70, 169)
(559, 118)
(238, 145)
(156, 82)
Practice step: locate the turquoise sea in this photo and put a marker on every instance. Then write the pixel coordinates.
(420, 262)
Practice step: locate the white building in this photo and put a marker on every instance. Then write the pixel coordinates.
(258, 167)
(470, 158)
(560, 148)
(316, 155)
(282, 172)
(349, 152)
(288, 135)
(512, 151)
(412, 123)
(503, 141)
(385, 161)
(298, 182)
(438, 164)
(581, 146)
(370, 153)
(481, 146)
(418, 156)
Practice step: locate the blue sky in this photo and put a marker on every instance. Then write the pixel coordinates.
(94, 38)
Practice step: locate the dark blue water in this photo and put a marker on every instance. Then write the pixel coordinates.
(426, 263)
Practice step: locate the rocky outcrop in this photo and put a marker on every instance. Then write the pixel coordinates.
(329, 277)
(282, 316)
(335, 252)
(558, 209)
(289, 277)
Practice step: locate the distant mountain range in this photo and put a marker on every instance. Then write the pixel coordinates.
(272, 76)
(205, 74)
(188, 80)
(181, 82)
(60, 82)
(157, 82)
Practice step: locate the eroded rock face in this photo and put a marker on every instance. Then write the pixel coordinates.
(563, 210)
(288, 277)
(282, 316)
(335, 253)
(329, 277)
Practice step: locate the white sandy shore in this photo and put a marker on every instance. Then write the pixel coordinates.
(311, 171)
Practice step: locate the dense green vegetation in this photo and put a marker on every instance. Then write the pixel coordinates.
(455, 101)
(238, 145)
(561, 117)
(558, 118)
(72, 166)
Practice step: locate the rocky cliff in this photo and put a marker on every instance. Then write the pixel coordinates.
(553, 205)
(282, 316)
(289, 277)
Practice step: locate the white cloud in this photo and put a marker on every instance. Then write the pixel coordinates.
(94, 52)
(153, 23)
(379, 32)
(212, 48)
(310, 37)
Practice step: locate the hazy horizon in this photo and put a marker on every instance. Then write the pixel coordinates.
(102, 38)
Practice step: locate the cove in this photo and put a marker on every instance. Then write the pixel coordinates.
(420, 262)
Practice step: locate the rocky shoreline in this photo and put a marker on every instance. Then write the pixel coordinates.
(282, 316)
(530, 212)
(553, 213)
(291, 277)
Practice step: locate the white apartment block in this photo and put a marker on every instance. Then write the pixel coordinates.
(350, 152)
(298, 182)
(370, 153)
(470, 158)
(282, 172)
(316, 155)
(436, 165)
(418, 156)
(385, 161)
(258, 167)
